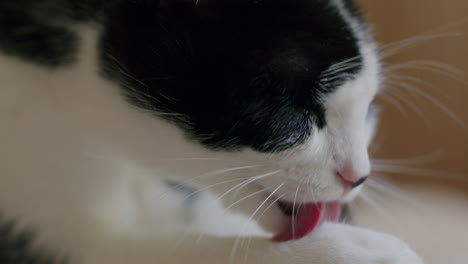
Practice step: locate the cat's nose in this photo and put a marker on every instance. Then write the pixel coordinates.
(352, 177)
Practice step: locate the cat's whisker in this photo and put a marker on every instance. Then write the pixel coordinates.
(138, 93)
(235, 203)
(194, 159)
(402, 98)
(403, 170)
(389, 96)
(258, 219)
(200, 190)
(365, 197)
(431, 66)
(390, 49)
(293, 222)
(341, 63)
(411, 79)
(421, 159)
(395, 192)
(340, 69)
(246, 197)
(241, 185)
(311, 191)
(210, 174)
(237, 241)
(431, 99)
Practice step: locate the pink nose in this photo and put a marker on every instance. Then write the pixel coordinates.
(351, 177)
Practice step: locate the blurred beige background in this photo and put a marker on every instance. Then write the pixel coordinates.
(426, 118)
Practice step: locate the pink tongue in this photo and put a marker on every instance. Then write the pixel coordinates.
(307, 218)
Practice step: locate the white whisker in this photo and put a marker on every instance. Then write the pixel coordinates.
(237, 241)
(422, 159)
(258, 219)
(431, 99)
(294, 212)
(431, 66)
(243, 184)
(395, 192)
(364, 196)
(210, 174)
(390, 49)
(396, 169)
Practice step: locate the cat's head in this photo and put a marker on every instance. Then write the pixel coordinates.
(277, 91)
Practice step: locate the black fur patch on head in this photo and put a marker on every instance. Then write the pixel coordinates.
(40, 31)
(16, 247)
(233, 74)
(23, 36)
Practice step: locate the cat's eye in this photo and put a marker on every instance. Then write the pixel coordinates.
(372, 109)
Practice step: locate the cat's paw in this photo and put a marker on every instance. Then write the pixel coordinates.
(353, 245)
(343, 244)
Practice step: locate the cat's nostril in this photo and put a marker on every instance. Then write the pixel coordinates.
(359, 182)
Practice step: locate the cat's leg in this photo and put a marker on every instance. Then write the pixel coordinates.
(330, 244)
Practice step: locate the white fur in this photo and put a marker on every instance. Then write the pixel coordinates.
(84, 168)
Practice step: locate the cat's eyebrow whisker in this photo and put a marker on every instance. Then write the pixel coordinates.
(431, 99)
(341, 63)
(391, 98)
(392, 48)
(404, 77)
(399, 96)
(431, 66)
(342, 68)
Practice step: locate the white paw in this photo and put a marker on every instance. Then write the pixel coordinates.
(362, 246)
(343, 244)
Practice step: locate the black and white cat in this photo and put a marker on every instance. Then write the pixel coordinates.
(170, 131)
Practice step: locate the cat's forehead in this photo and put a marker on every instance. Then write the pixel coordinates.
(284, 36)
(240, 74)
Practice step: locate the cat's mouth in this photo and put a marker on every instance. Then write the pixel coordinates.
(305, 217)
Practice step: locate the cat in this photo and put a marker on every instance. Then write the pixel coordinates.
(169, 131)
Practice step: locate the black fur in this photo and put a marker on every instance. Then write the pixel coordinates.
(39, 31)
(24, 36)
(233, 74)
(16, 247)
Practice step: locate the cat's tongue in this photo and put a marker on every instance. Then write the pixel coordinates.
(307, 218)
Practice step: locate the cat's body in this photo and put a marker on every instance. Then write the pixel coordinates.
(103, 103)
